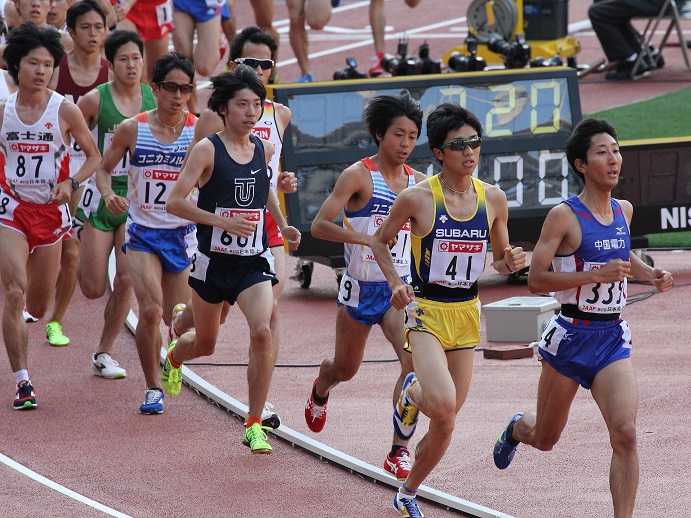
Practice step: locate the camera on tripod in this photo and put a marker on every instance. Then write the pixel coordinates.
(516, 54)
(350, 72)
(467, 63)
(406, 65)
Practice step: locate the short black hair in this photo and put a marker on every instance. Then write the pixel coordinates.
(117, 39)
(449, 117)
(228, 84)
(27, 37)
(171, 61)
(80, 8)
(581, 137)
(251, 34)
(382, 110)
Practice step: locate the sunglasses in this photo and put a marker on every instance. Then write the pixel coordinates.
(172, 86)
(266, 64)
(459, 144)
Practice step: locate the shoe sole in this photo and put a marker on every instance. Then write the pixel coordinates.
(28, 405)
(150, 412)
(273, 422)
(113, 377)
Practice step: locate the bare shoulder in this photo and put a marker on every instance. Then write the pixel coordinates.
(209, 122)
(627, 207)
(493, 194)
(269, 148)
(419, 177)
(283, 113)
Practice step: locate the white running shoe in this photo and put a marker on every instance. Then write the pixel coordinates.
(177, 310)
(106, 367)
(28, 317)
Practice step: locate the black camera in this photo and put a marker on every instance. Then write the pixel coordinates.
(516, 54)
(407, 65)
(541, 61)
(471, 63)
(350, 72)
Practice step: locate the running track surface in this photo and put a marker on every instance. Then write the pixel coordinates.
(88, 437)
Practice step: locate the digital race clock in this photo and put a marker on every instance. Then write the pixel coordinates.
(527, 117)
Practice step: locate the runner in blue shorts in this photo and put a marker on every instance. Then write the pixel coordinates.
(158, 245)
(584, 256)
(364, 193)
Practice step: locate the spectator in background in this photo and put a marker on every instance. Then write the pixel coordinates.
(153, 20)
(621, 42)
(316, 14)
(57, 15)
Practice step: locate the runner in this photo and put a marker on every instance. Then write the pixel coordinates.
(584, 256)
(36, 126)
(159, 246)
(233, 263)
(364, 193)
(452, 218)
(104, 109)
(79, 72)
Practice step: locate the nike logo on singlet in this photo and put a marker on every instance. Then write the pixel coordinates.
(255, 172)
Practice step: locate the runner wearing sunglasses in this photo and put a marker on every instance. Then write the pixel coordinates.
(452, 218)
(159, 246)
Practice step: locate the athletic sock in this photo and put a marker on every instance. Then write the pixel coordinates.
(509, 436)
(321, 401)
(22, 375)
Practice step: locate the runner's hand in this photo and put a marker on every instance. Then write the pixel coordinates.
(293, 236)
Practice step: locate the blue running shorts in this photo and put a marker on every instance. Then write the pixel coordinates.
(173, 246)
(580, 351)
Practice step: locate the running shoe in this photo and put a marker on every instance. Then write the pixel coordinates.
(104, 366)
(405, 413)
(376, 70)
(503, 449)
(28, 317)
(153, 402)
(335, 3)
(306, 78)
(26, 397)
(315, 414)
(255, 438)
(177, 310)
(55, 336)
(270, 419)
(171, 377)
(399, 465)
(407, 506)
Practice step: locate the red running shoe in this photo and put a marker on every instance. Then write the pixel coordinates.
(399, 465)
(315, 414)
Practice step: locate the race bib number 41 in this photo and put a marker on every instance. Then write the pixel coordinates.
(457, 264)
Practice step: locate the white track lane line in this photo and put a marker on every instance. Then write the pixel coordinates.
(60, 489)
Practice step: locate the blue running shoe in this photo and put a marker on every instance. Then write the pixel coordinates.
(153, 402)
(335, 3)
(503, 449)
(407, 506)
(306, 78)
(405, 413)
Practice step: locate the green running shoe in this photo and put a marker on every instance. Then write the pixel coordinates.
(255, 438)
(55, 336)
(171, 378)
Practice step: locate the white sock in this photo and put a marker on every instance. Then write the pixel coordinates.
(20, 376)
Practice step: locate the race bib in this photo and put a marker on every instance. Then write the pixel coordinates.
(7, 206)
(224, 242)
(349, 291)
(457, 264)
(164, 13)
(601, 297)
(400, 252)
(153, 189)
(123, 166)
(90, 199)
